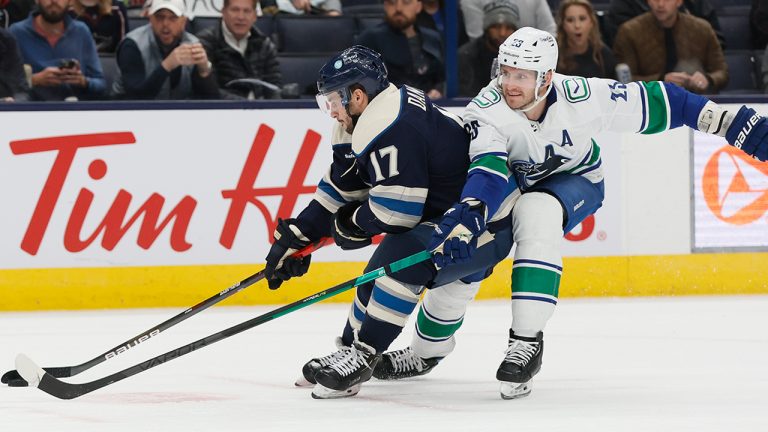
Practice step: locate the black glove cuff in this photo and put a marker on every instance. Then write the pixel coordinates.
(288, 238)
(344, 220)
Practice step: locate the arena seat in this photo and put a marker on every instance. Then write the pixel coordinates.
(266, 24)
(110, 70)
(735, 28)
(364, 22)
(302, 69)
(312, 34)
(741, 72)
(201, 23)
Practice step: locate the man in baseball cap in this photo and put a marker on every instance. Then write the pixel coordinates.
(163, 61)
(175, 6)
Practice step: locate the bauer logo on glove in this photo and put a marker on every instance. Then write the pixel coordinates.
(746, 130)
(749, 132)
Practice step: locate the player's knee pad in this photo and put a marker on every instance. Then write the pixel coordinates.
(538, 227)
(537, 215)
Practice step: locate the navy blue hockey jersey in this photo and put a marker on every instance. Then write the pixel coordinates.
(407, 160)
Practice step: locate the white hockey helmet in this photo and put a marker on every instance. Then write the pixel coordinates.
(531, 49)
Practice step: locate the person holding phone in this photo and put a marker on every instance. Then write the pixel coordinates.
(61, 52)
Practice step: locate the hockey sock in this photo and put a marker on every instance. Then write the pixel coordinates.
(356, 313)
(440, 315)
(387, 312)
(536, 270)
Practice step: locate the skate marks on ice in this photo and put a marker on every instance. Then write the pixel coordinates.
(683, 364)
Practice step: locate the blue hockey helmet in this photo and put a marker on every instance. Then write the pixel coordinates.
(355, 65)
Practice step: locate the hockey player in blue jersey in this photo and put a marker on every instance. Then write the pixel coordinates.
(536, 128)
(399, 163)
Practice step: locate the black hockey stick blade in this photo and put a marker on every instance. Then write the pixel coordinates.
(43, 380)
(14, 379)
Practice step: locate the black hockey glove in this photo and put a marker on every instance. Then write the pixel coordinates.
(288, 239)
(749, 132)
(346, 233)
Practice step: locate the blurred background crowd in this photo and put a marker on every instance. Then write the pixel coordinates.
(54, 50)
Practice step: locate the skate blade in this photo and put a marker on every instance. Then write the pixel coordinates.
(303, 382)
(322, 392)
(510, 390)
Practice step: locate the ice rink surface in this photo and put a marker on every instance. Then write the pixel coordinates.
(638, 364)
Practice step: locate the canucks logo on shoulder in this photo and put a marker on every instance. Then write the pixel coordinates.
(487, 98)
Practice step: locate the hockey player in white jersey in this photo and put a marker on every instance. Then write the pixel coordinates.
(399, 163)
(537, 127)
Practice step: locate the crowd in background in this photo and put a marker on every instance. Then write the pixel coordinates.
(56, 49)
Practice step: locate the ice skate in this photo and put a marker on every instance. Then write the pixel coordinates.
(404, 363)
(521, 362)
(311, 367)
(344, 375)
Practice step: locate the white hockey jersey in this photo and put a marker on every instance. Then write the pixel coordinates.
(507, 146)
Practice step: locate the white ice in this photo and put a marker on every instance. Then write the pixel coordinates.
(638, 364)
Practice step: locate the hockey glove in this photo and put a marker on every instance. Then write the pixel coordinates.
(749, 132)
(288, 239)
(455, 238)
(346, 233)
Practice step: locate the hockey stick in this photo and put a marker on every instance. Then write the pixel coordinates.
(62, 390)
(14, 379)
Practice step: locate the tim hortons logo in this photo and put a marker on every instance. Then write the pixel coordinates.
(735, 186)
(116, 221)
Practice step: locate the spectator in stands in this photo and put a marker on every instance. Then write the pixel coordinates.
(107, 20)
(621, 11)
(239, 50)
(61, 53)
(582, 51)
(758, 20)
(533, 13)
(162, 61)
(476, 57)
(668, 45)
(764, 71)
(13, 80)
(302, 7)
(412, 54)
(432, 16)
(13, 11)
